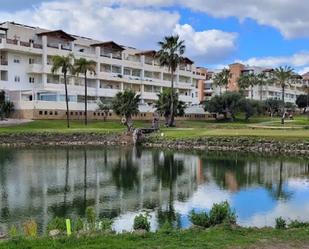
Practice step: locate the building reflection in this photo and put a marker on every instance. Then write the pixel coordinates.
(44, 183)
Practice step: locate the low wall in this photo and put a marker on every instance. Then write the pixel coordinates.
(241, 144)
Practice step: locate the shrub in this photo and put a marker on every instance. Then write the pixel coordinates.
(199, 219)
(90, 215)
(106, 224)
(222, 213)
(30, 228)
(280, 223)
(13, 232)
(141, 223)
(298, 224)
(167, 228)
(57, 224)
(78, 225)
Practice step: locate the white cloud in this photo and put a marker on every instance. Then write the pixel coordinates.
(128, 23)
(209, 46)
(289, 17)
(296, 60)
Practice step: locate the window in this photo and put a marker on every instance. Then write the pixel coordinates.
(16, 60)
(31, 61)
(31, 79)
(17, 79)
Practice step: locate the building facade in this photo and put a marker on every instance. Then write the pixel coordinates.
(25, 72)
(207, 89)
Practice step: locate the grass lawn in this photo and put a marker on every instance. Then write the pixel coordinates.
(215, 238)
(255, 127)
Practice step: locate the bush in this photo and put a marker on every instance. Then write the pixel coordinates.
(78, 225)
(298, 224)
(90, 215)
(166, 228)
(200, 219)
(30, 228)
(106, 224)
(57, 224)
(141, 223)
(13, 232)
(222, 213)
(280, 223)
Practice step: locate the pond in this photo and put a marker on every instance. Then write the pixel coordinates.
(121, 182)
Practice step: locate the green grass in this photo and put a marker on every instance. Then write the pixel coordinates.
(263, 127)
(215, 238)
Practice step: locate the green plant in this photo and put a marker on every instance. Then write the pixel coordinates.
(200, 219)
(280, 223)
(78, 225)
(141, 223)
(106, 224)
(57, 224)
(30, 228)
(13, 232)
(298, 224)
(167, 228)
(90, 216)
(222, 213)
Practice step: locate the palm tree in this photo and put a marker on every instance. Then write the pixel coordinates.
(250, 80)
(170, 55)
(83, 66)
(262, 81)
(222, 79)
(282, 77)
(125, 104)
(164, 102)
(64, 63)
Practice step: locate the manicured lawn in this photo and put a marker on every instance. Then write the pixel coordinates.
(216, 238)
(255, 127)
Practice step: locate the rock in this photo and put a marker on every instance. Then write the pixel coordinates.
(54, 233)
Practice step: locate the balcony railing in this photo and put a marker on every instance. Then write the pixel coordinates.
(3, 62)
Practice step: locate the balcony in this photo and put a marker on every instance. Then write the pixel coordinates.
(35, 68)
(3, 62)
(20, 45)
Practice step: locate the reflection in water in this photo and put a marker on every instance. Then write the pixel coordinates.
(120, 182)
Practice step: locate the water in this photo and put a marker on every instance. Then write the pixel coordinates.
(119, 183)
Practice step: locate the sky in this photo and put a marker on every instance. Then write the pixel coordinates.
(266, 33)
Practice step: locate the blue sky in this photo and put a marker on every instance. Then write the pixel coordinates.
(216, 32)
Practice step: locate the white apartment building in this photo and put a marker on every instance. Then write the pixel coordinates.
(25, 72)
(207, 89)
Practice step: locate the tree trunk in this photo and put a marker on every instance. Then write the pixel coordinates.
(129, 123)
(251, 92)
(86, 94)
(283, 105)
(66, 99)
(171, 121)
(220, 90)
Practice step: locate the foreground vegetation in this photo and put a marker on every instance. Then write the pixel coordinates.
(214, 238)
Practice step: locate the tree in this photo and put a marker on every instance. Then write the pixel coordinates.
(273, 106)
(282, 76)
(125, 104)
(83, 66)
(301, 102)
(64, 63)
(222, 79)
(306, 90)
(164, 102)
(170, 55)
(262, 81)
(226, 104)
(248, 107)
(250, 80)
(6, 107)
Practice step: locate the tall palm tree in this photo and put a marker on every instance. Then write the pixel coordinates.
(64, 63)
(262, 81)
(83, 66)
(222, 79)
(170, 55)
(249, 80)
(282, 76)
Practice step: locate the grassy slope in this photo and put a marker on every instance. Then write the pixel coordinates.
(216, 238)
(256, 127)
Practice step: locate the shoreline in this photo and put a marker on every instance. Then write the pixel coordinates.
(216, 143)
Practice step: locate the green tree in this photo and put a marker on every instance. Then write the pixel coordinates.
(301, 102)
(125, 104)
(6, 107)
(263, 80)
(273, 106)
(251, 80)
(164, 102)
(222, 79)
(170, 55)
(64, 63)
(306, 90)
(282, 76)
(83, 66)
